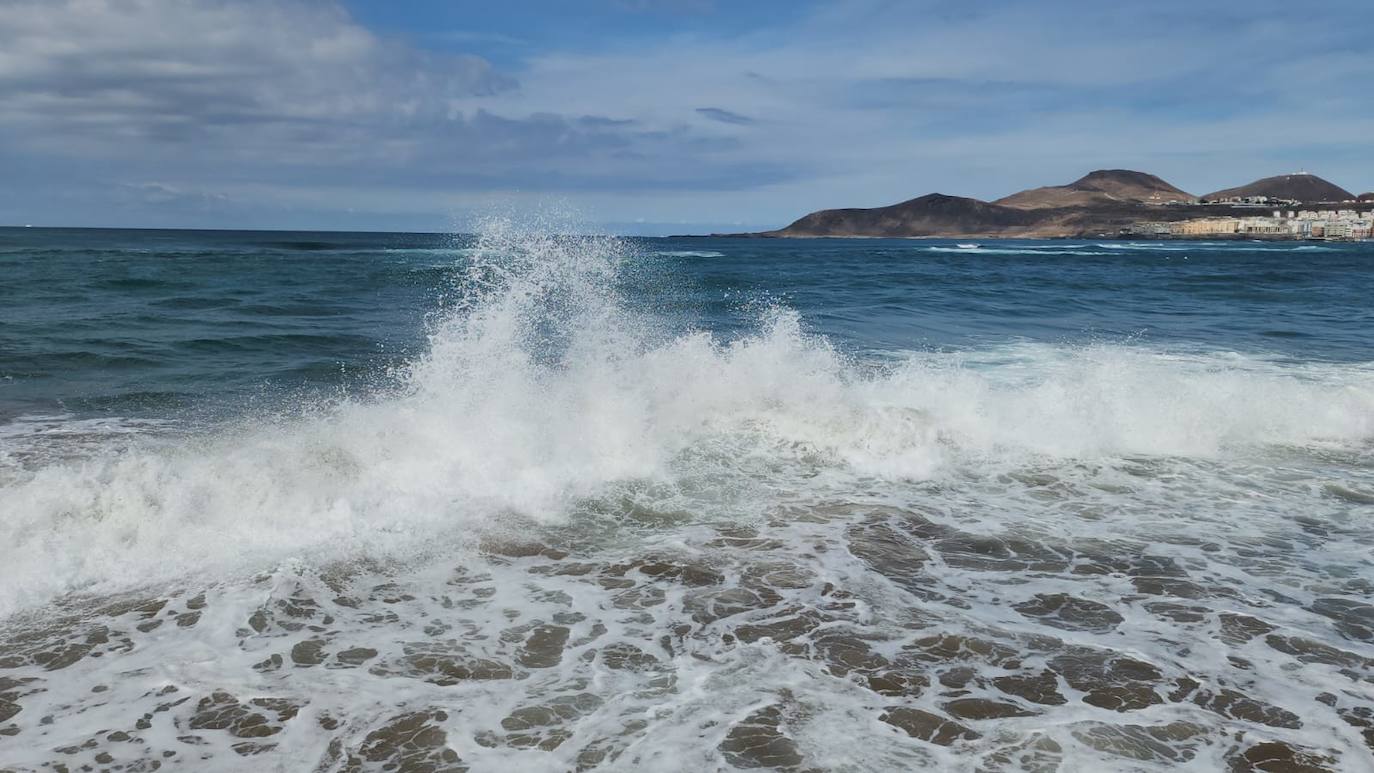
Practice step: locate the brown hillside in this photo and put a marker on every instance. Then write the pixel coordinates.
(1307, 188)
(1103, 187)
(929, 215)
(1103, 204)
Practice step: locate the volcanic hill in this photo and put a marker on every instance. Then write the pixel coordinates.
(1103, 187)
(934, 214)
(1307, 188)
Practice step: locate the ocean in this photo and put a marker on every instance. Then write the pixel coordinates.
(517, 501)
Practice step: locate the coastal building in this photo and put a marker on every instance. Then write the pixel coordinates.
(1262, 226)
(1338, 229)
(1205, 226)
(1151, 230)
(1343, 224)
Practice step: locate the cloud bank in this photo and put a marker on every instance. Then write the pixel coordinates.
(294, 112)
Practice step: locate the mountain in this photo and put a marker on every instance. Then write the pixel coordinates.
(1103, 187)
(934, 214)
(1367, 196)
(1304, 187)
(1101, 204)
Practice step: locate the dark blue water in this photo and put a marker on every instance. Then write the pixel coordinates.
(147, 322)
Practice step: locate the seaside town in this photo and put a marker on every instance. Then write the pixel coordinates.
(1289, 219)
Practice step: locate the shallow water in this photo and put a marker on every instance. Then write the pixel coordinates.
(523, 502)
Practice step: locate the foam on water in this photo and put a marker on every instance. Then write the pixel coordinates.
(541, 390)
(1246, 246)
(33, 441)
(1071, 249)
(573, 537)
(690, 253)
(1159, 246)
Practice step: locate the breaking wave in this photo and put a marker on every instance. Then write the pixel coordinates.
(541, 390)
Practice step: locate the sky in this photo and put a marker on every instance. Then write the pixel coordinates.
(652, 116)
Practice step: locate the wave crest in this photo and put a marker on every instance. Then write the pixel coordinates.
(541, 389)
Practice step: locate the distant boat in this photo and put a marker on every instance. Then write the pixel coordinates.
(964, 246)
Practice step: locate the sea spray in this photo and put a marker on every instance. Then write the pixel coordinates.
(541, 389)
(576, 534)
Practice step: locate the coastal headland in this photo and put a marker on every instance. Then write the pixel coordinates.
(1113, 203)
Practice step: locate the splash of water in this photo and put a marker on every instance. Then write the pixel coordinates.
(540, 390)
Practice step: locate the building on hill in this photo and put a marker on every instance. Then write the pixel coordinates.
(1255, 201)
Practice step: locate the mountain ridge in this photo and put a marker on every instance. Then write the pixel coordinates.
(928, 215)
(1102, 203)
(1102, 186)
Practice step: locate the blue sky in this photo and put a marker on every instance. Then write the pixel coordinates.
(652, 116)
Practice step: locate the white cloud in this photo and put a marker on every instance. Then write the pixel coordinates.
(295, 94)
(872, 101)
(108, 71)
(858, 102)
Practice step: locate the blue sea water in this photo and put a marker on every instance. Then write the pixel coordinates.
(101, 322)
(522, 501)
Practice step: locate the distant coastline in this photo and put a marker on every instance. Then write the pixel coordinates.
(1111, 204)
(1125, 237)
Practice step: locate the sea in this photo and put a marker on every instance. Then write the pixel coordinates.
(524, 501)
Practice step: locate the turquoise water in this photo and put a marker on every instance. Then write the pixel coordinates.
(517, 501)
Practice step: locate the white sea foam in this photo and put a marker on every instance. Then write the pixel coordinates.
(1227, 246)
(31, 441)
(1157, 247)
(540, 390)
(690, 254)
(1017, 250)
